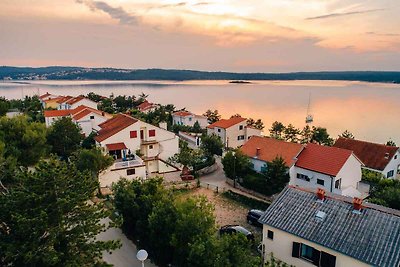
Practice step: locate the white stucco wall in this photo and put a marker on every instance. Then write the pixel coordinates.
(350, 173)
(233, 132)
(257, 164)
(108, 177)
(294, 170)
(86, 102)
(251, 132)
(393, 165)
(282, 244)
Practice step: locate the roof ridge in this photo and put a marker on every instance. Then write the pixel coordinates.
(369, 142)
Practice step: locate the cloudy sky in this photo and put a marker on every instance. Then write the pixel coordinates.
(230, 35)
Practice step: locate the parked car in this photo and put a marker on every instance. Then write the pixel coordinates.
(231, 229)
(253, 216)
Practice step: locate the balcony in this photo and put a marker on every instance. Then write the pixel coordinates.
(148, 142)
(127, 163)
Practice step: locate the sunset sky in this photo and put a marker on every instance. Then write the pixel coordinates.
(229, 35)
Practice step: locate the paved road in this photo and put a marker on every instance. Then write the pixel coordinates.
(216, 178)
(124, 256)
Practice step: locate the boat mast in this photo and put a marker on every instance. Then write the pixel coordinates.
(309, 117)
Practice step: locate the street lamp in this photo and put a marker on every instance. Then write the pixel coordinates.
(142, 256)
(234, 169)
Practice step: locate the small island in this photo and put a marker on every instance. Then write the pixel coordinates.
(240, 82)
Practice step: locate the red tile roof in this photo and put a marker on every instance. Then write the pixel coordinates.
(82, 111)
(64, 99)
(58, 113)
(323, 159)
(116, 146)
(75, 99)
(226, 123)
(182, 113)
(113, 126)
(52, 99)
(270, 148)
(145, 105)
(45, 95)
(374, 156)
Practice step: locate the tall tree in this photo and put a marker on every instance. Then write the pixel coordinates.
(212, 116)
(25, 141)
(92, 160)
(4, 106)
(320, 136)
(64, 137)
(212, 144)
(236, 164)
(306, 135)
(347, 134)
(277, 173)
(237, 115)
(47, 220)
(258, 124)
(291, 133)
(277, 130)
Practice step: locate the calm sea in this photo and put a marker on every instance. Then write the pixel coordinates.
(371, 111)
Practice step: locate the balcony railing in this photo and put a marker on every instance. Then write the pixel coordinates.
(123, 164)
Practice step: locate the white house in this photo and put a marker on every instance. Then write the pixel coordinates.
(336, 170)
(69, 102)
(233, 132)
(376, 157)
(303, 228)
(188, 119)
(124, 137)
(262, 150)
(87, 118)
(147, 107)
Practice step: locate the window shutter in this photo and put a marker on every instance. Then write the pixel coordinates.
(133, 134)
(316, 254)
(327, 260)
(152, 133)
(296, 250)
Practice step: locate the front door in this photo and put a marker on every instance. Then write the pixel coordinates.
(141, 134)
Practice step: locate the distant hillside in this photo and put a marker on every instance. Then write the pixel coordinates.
(78, 73)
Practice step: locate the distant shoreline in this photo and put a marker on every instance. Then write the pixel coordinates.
(12, 74)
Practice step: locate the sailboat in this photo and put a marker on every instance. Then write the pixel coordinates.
(309, 117)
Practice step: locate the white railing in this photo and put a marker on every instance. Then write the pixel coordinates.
(127, 163)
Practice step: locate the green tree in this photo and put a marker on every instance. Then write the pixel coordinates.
(212, 116)
(95, 97)
(277, 130)
(258, 124)
(320, 136)
(48, 221)
(277, 174)
(391, 143)
(226, 251)
(195, 221)
(92, 160)
(89, 141)
(196, 128)
(291, 133)
(64, 137)
(347, 134)
(236, 164)
(4, 106)
(212, 144)
(25, 141)
(188, 157)
(306, 135)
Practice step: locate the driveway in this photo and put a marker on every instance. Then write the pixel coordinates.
(124, 256)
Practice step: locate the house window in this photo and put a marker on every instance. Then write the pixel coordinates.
(390, 174)
(219, 130)
(240, 137)
(240, 127)
(130, 171)
(312, 255)
(190, 119)
(133, 134)
(307, 252)
(395, 156)
(150, 146)
(152, 133)
(270, 235)
(320, 182)
(303, 177)
(263, 169)
(338, 183)
(92, 117)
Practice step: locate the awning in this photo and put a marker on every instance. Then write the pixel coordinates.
(116, 146)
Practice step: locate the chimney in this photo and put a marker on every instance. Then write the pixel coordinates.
(357, 204)
(257, 151)
(321, 194)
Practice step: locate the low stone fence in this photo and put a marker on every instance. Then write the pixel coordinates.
(208, 170)
(250, 192)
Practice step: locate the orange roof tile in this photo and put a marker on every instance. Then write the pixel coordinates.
(374, 156)
(75, 99)
(64, 99)
(182, 113)
(270, 148)
(116, 146)
(113, 126)
(82, 111)
(45, 95)
(58, 113)
(226, 123)
(323, 159)
(145, 105)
